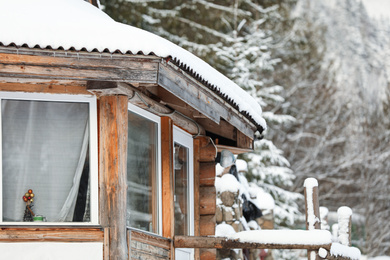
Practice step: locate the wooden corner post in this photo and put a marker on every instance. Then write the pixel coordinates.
(313, 219)
(113, 174)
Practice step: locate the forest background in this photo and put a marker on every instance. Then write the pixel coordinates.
(321, 72)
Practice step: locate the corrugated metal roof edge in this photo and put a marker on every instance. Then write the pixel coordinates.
(184, 67)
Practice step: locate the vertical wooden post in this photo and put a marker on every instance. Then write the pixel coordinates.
(313, 220)
(344, 215)
(167, 176)
(113, 173)
(168, 207)
(196, 194)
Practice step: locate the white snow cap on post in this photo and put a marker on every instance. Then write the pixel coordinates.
(344, 220)
(310, 183)
(312, 219)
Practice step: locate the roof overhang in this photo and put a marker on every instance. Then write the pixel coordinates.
(159, 79)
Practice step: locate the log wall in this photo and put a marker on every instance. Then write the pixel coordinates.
(207, 193)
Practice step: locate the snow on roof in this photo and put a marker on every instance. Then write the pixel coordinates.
(76, 24)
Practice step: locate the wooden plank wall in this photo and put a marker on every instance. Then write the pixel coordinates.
(148, 247)
(207, 193)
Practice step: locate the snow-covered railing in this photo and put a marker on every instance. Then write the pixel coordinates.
(319, 243)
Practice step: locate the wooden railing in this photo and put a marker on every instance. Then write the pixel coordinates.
(318, 242)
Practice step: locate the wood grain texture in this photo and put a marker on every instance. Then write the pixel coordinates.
(112, 171)
(226, 243)
(207, 200)
(207, 174)
(207, 225)
(54, 234)
(81, 68)
(167, 176)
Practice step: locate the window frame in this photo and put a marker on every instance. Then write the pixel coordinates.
(185, 139)
(156, 119)
(93, 152)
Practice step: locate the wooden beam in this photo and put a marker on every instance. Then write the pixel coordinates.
(112, 172)
(51, 88)
(225, 243)
(234, 150)
(196, 194)
(80, 67)
(51, 234)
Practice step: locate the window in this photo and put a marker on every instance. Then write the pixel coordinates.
(143, 171)
(49, 149)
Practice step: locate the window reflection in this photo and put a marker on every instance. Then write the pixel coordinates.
(181, 190)
(142, 206)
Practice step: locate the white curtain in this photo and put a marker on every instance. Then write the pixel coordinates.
(44, 146)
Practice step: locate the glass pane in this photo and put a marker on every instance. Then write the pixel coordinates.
(142, 206)
(181, 190)
(45, 153)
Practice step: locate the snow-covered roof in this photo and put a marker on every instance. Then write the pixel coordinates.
(78, 25)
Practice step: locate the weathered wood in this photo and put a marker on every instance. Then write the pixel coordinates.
(150, 239)
(53, 234)
(107, 88)
(244, 141)
(207, 225)
(225, 243)
(148, 246)
(152, 106)
(208, 254)
(207, 174)
(71, 68)
(112, 171)
(208, 153)
(222, 128)
(207, 200)
(201, 98)
(234, 150)
(315, 206)
(197, 173)
(196, 194)
(44, 88)
(167, 176)
(106, 243)
(313, 219)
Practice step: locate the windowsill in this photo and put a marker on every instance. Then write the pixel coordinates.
(51, 224)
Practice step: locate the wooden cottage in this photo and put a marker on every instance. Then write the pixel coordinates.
(109, 136)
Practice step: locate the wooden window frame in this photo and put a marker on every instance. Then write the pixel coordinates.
(156, 183)
(93, 152)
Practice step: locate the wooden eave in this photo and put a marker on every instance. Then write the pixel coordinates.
(146, 72)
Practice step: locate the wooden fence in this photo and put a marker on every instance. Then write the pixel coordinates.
(317, 242)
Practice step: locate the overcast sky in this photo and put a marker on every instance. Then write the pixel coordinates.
(378, 8)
